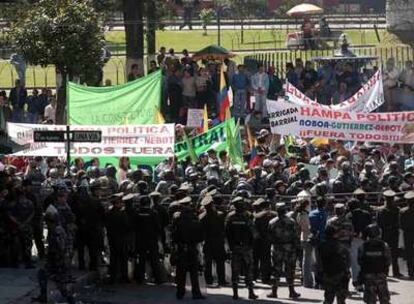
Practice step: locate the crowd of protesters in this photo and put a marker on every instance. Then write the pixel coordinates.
(274, 220)
(190, 84)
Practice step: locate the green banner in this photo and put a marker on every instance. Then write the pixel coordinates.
(133, 103)
(214, 138)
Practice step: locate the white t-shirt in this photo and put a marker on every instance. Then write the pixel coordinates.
(50, 113)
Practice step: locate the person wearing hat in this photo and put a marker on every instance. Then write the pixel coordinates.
(186, 234)
(212, 222)
(408, 183)
(257, 182)
(361, 196)
(32, 193)
(262, 245)
(388, 220)
(240, 234)
(118, 229)
(335, 261)
(20, 212)
(344, 230)
(345, 182)
(90, 218)
(162, 214)
(374, 257)
(232, 182)
(407, 226)
(392, 171)
(302, 177)
(147, 230)
(284, 236)
(58, 260)
(360, 219)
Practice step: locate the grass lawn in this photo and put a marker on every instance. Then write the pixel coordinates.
(230, 39)
(254, 40)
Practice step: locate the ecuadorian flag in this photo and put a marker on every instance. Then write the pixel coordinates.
(223, 99)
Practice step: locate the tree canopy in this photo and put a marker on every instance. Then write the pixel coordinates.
(65, 33)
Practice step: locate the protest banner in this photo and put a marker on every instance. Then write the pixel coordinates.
(214, 138)
(368, 98)
(194, 118)
(135, 103)
(134, 140)
(310, 122)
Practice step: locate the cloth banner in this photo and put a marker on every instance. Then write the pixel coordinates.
(369, 97)
(310, 122)
(117, 141)
(214, 138)
(134, 103)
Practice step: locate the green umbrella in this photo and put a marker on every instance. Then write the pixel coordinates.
(212, 52)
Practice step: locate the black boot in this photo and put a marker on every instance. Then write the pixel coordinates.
(273, 294)
(235, 293)
(252, 296)
(292, 293)
(42, 279)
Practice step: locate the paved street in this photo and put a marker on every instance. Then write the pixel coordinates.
(402, 293)
(17, 286)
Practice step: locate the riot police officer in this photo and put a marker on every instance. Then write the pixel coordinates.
(186, 233)
(262, 245)
(388, 221)
(374, 258)
(58, 259)
(118, 227)
(407, 226)
(285, 241)
(90, 217)
(240, 235)
(148, 232)
(212, 222)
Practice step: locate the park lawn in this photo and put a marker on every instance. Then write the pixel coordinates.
(231, 39)
(254, 40)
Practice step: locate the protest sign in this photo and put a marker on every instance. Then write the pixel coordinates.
(368, 98)
(194, 118)
(135, 102)
(310, 122)
(133, 140)
(214, 138)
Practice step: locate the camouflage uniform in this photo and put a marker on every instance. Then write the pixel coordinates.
(344, 230)
(284, 237)
(58, 258)
(374, 256)
(335, 260)
(67, 221)
(240, 234)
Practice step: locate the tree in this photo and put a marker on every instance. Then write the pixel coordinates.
(65, 33)
(399, 19)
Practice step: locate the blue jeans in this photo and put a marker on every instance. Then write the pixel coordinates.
(239, 103)
(17, 115)
(32, 118)
(307, 264)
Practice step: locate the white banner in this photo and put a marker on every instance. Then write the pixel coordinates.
(194, 118)
(137, 140)
(367, 99)
(311, 122)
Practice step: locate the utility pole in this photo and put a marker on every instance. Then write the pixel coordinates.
(218, 12)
